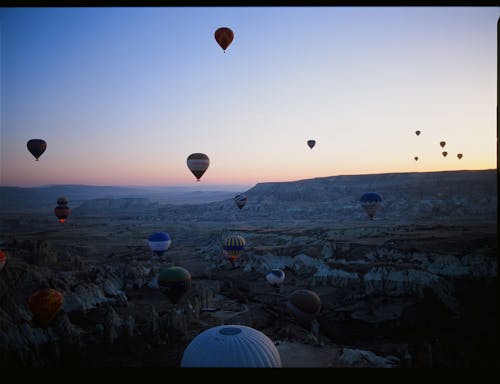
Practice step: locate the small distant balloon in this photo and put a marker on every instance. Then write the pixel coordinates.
(198, 163)
(233, 247)
(159, 242)
(44, 305)
(224, 36)
(311, 143)
(442, 144)
(416, 158)
(275, 277)
(3, 259)
(417, 132)
(444, 153)
(240, 200)
(36, 147)
(304, 305)
(459, 156)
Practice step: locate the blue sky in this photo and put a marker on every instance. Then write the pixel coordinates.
(123, 95)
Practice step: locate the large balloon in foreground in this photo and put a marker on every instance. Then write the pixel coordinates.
(224, 36)
(44, 305)
(62, 211)
(304, 305)
(370, 202)
(233, 247)
(444, 153)
(459, 156)
(275, 277)
(198, 163)
(417, 132)
(311, 143)
(3, 259)
(236, 346)
(174, 282)
(442, 144)
(36, 147)
(240, 200)
(159, 242)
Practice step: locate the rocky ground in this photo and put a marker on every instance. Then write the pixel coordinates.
(412, 292)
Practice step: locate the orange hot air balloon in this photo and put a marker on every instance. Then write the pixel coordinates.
(416, 158)
(444, 153)
(198, 163)
(442, 144)
(459, 156)
(36, 147)
(44, 305)
(224, 36)
(3, 259)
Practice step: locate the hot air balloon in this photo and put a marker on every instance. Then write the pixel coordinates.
(417, 132)
(233, 247)
(44, 305)
(236, 346)
(370, 202)
(224, 36)
(311, 143)
(174, 282)
(275, 277)
(459, 156)
(442, 144)
(62, 211)
(36, 147)
(304, 305)
(240, 200)
(416, 158)
(3, 259)
(198, 163)
(444, 153)
(159, 242)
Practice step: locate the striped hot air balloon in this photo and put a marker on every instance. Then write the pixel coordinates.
(304, 305)
(198, 164)
(174, 282)
(240, 200)
(159, 242)
(236, 346)
(275, 277)
(233, 247)
(370, 202)
(44, 305)
(3, 259)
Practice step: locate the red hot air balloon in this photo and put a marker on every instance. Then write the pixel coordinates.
(224, 36)
(198, 163)
(44, 305)
(36, 147)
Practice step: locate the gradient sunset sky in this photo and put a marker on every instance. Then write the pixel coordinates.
(123, 95)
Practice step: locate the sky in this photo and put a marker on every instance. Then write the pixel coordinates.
(123, 96)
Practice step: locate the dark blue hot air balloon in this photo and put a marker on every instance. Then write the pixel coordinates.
(370, 202)
(159, 242)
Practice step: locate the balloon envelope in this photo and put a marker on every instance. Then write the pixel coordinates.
(311, 143)
(159, 242)
(198, 163)
(442, 144)
(36, 147)
(370, 202)
(3, 259)
(233, 246)
(416, 158)
(445, 154)
(62, 212)
(174, 282)
(62, 201)
(235, 346)
(417, 132)
(459, 156)
(224, 36)
(240, 200)
(304, 305)
(44, 305)
(275, 277)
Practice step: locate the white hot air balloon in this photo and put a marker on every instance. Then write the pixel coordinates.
(231, 346)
